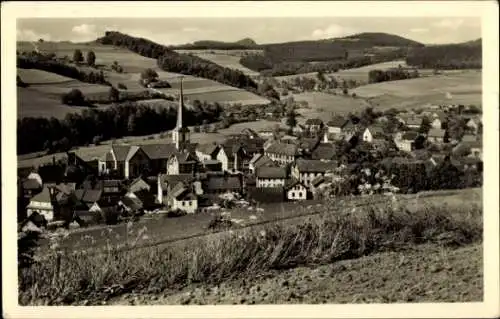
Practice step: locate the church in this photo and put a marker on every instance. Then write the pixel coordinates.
(131, 161)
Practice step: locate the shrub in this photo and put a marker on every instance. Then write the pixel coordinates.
(176, 213)
(74, 97)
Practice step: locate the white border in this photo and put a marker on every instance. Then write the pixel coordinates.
(487, 10)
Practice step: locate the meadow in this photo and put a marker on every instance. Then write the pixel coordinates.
(324, 105)
(336, 234)
(226, 59)
(450, 88)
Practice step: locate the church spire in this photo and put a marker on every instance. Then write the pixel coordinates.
(179, 110)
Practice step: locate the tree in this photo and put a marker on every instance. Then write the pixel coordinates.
(77, 56)
(74, 97)
(425, 126)
(345, 91)
(291, 120)
(149, 75)
(91, 58)
(114, 94)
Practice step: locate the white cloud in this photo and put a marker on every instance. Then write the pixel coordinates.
(30, 35)
(449, 23)
(419, 30)
(85, 32)
(332, 31)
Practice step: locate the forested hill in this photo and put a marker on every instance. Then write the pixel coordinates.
(172, 61)
(374, 39)
(243, 44)
(467, 55)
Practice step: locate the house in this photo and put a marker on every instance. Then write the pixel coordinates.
(207, 151)
(131, 204)
(128, 161)
(181, 197)
(267, 134)
(298, 129)
(336, 124)
(307, 145)
(473, 149)
(270, 176)
(436, 135)
(324, 151)
(166, 182)
(282, 153)
(212, 165)
(158, 155)
(90, 200)
(307, 170)
(414, 122)
(138, 184)
(295, 190)
(250, 133)
(259, 160)
(221, 184)
(42, 203)
(32, 185)
(371, 133)
(469, 138)
(313, 125)
(184, 162)
(405, 142)
(473, 125)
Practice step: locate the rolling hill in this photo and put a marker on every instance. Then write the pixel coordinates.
(467, 55)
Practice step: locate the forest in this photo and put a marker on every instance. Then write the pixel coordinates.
(376, 76)
(449, 56)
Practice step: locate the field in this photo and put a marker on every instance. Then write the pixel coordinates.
(361, 74)
(386, 237)
(324, 105)
(464, 88)
(229, 59)
(36, 104)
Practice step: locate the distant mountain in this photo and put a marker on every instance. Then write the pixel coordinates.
(374, 39)
(466, 55)
(247, 42)
(242, 44)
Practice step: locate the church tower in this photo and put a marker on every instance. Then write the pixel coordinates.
(180, 135)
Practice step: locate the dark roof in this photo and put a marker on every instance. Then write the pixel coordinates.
(308, 143)
(223, 183)
(376, 130)
(207, 148)
(267, 194)
(171, 180)
(31, 183)
(289, 183)
(88, 195)
(283, 149)
(314, 122)
(120, 151)
(409, 136)
(271, 172)
(132, 151)
(132, 203)
(185, 157)
(264, 160)
(324, 151)
(315, 165)
(433, 132)
(159, 151)
(337, 121)
(318, 180)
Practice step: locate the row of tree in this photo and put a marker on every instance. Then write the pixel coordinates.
(92, 125)
(34, 60)
(375, 76)
(172, 61)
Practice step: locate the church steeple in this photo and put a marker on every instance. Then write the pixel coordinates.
(181, 133)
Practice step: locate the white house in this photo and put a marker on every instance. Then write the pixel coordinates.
(270, 176)
(372, 133)
(405, 141)
(183, 198)
(282, 153)
(336, 124)
(259, 160)
(295, 190)
(223, 158)
(42, 204)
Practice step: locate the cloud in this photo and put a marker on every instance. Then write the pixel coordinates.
(332, 31)
(30, 35)
(449, 23)
(419, 30)
(85, 32)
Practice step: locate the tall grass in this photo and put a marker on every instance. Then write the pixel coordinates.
(334, 236)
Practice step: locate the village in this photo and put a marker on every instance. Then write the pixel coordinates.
(309, 161)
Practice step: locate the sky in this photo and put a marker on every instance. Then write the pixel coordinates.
(172, 31)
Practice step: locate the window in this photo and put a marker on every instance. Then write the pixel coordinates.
(190, 203)
(300, 194)
(293, 194)
(183, 203)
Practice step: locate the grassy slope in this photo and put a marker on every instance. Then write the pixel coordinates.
(426, 273)
(228, 59)
(323, 105)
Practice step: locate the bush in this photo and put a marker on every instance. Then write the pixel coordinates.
(74, 97)
(174, 213)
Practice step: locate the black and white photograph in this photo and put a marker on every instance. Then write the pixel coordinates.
(193, 159)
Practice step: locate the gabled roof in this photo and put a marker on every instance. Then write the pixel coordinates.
(326, 151)
(308, 143)
(292, 182)
(178, 189)
(435, 132)
(43, 196)
(338, 121)
(271, 172)
(131, 152)
(132, 203)
(208, 149)
(185, 157)
(255, 158)
(31, 184)
(309, 166)
(317, 180)
(283, 149)
(159, 151)
(375, 130)
(409, 136)
(120, 151)
(88, 195)
(264, 160)
(168, 181)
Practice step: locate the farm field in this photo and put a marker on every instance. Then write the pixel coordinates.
(160, 229)
(463, 88)
(425, 273)
(226, 59)
(32, 103)
(324, 105)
